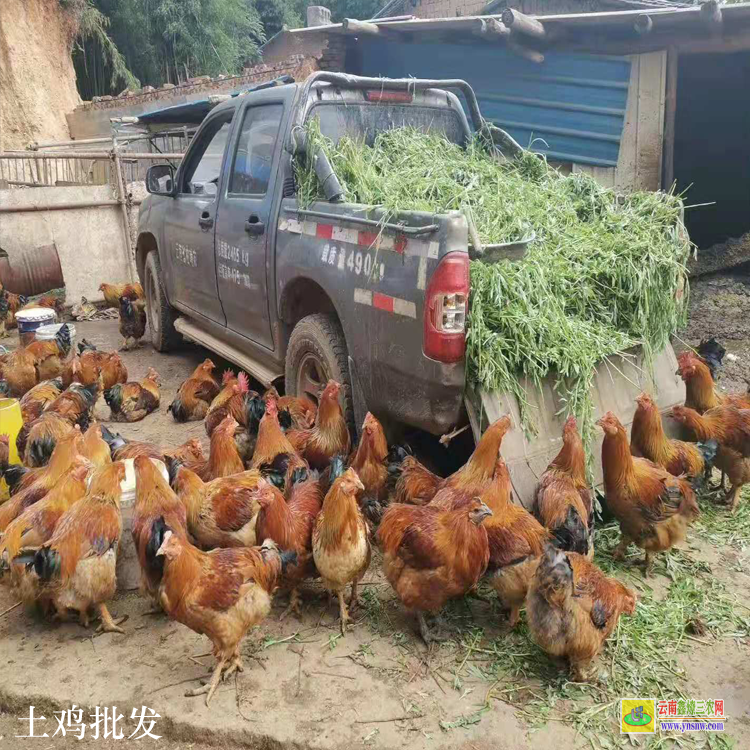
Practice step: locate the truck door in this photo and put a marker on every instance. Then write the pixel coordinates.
(243, 231)
(190, 220)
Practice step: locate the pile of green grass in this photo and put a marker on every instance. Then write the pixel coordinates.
(601, 276)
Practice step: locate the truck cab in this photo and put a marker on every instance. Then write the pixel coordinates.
(230, 258)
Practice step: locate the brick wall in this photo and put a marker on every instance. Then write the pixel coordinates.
(452, 8)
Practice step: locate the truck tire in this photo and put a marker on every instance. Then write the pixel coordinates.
(161, 315)
(317, 353)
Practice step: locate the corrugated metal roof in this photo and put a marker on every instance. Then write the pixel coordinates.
(571, 107)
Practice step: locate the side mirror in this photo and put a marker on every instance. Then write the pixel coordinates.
(160, 179)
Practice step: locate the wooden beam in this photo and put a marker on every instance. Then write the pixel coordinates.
(521, 23)
(360, 28)
(711, 14)
(493, 29)
(643, 24)
(527, 53)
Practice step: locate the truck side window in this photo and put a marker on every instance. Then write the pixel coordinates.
(251, 170)
(202, 173)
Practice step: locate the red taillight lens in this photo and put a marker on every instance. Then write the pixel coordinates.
(389, 96)
(446, 306)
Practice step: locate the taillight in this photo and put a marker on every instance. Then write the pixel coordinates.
(446, 305)
(405, 97)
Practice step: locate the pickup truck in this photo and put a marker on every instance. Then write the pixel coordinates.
(229, 259)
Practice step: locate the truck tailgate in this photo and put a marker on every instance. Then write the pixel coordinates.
(615, 386)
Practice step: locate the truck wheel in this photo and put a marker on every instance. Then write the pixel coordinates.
(161, 315)
(316, 354)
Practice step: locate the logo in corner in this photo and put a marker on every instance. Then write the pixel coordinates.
(637, 715)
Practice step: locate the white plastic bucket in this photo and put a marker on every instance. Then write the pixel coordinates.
(31, 320)
(49, 331)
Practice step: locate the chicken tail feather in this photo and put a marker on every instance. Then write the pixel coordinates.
(178, 411)
(47, 563)
(113, 439)
(155, 540)
(41, 450)
(287, 558)
(13, 474)
(708, 450)
(113, 397)
(572, 535)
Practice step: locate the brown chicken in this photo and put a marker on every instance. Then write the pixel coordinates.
(37, 442)
(132, 402)
(647, 439)
(572, 608)
(369, 461)
(195, 395)
(94, 448)
(730, 428)
(14, 302)
(653, 507)
(35, 401)
(92, 366)
(36, 484)
(415, 484)
(190, 451)
(274, 456)
(341, 541)
(516, 541)
(49, 356)
(33, 528)
(76, 567)
(563, 498)
(222, 512)
(431, 555)
(223, 457)
(221, 594)
(700, 393)
(233, 400)
(48, 301)
(330, 435)
(132, 323)
(19, 370)
(290, 524)
(155, 504)
(302, 410)
(114, 292)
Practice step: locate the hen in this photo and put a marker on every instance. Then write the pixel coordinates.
(730, 428)
(369, 461)
(431, 554)
(654, 508)
(572, 608)
(94, 448)
(120, 448)
(131, 402)
(414, 483)
(35, 401)
(330, 435)
(36, 441)
(49, 355)
(221, 594)
(700, 393)
(222, 512)
(154, 503)
(301, 410)
(132, 322)
(76, 567)
(563, 498)
(92, 366)
(114, 292)
(341, 541)
(233, 399)
(195, 394)
(20, 372)
(223, 457)
(290, 524)
(647, 439)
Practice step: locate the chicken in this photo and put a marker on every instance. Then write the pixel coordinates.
(700, 393)
(341, 541)
(647, 439)
(4, 315)
(94, 448)
(155, 503)
(20, 371)
(114, 292)
(34, 527)
(75, 404)
(654, 508)
(15, 302)
(76, 567)
(131, 402)
(516, 541)
(195, 395)
(330, 435)
(369, 463)
(40, 439)
(120, 448)
(35, 485)
(414, 483)
(49, 301)
(563, 498)
(572, 608)
(222, 512)
(132, 322)
(290, 524)
(233, 400)
(35, 401)
(49, 356)
(222, 594)
(92, 366)
(730, 428)
(302, 410)
(712, 353)
(274, 453)
(223, 457)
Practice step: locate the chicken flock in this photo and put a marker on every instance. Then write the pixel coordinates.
(283, 497)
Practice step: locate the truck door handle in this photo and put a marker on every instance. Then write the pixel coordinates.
(254, 225)
(206, 220)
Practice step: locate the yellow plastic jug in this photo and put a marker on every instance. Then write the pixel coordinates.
(10, 425)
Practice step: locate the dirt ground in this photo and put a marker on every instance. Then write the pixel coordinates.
(379, 687)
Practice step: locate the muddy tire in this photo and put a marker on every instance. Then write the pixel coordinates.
(161, 315)
(317, 353)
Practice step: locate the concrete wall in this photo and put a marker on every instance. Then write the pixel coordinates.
(452, 8)
(90, 241)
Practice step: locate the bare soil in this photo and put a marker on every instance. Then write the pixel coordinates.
(304, 686)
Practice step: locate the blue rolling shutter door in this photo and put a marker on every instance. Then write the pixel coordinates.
(571, 107)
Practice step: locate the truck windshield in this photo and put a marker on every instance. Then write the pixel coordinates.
(367, 120)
